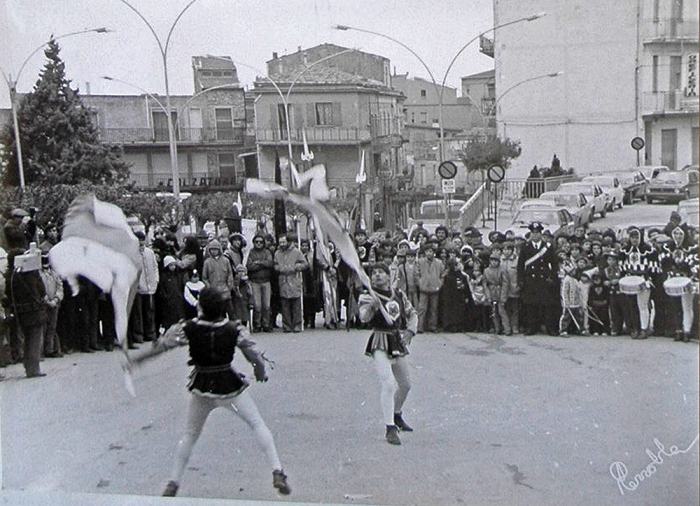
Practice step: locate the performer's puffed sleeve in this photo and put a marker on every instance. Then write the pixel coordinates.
(251, 353)
(367, 306)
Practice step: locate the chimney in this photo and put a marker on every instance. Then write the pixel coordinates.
(305, 58)
(87, 87)
(298, 49)
(274, 55)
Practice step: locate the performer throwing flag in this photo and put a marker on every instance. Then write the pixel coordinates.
(388, 345)
(212, 341)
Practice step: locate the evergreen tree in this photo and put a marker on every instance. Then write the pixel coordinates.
(60, 142)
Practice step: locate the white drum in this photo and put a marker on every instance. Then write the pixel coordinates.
(675, 287)
(631, 285)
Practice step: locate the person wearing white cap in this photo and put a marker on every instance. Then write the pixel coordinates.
(171, 293)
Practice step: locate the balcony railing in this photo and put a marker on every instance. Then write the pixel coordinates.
(669, 30)
(669, 101)
(191, 135)
(328, 135)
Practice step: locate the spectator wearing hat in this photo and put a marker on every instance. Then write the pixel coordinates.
(217, 273)
(53, 286)
(289, 264)
(539, 293)
(639, 259)
(456, 311)
(674, 220)
(142, 319)
(193, 288)
(170, 292)
(571, 303)
(429, 273)
(19, 230)
(599, 303)
(496, 291)
(260, 265)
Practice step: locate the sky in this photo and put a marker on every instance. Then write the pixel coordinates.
(248, 31)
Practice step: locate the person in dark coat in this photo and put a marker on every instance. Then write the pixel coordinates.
(457, 306)
(537, 271)
(171, 293)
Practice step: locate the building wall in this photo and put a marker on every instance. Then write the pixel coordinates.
(587, 116)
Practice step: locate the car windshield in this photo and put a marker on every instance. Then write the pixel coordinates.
(586, 189)
(601, 181)
(670, 177)
(562, 199)
(546, 216)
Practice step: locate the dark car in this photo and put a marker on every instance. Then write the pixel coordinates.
(673, 186)
(634, 185)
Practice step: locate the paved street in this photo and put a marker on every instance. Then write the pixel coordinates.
(499, 420)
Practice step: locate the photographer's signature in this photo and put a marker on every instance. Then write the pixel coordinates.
(619, 471)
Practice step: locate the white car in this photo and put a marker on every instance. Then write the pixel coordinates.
(610, 185)
(577, 204)
(555, 219)
(689, 211)
(593, 192)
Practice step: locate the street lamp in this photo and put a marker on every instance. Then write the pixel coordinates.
(164, 55)
(440, 89)
(285, 97)
(12, 87)
(519, 83)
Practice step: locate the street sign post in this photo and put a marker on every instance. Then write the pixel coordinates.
(637, 144)
(496, 173)
(448, 186)
(447, 170)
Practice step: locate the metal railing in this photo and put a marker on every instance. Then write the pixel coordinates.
(531, 188)
(474, 207)
(150, 135)
(315, 135)
(665, 101)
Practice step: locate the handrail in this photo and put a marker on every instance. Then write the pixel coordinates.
(473, 208)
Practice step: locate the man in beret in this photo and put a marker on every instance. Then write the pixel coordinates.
(539, 294)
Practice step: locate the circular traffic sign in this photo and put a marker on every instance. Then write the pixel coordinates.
(496, 173)
(637, 143)
(447, 170)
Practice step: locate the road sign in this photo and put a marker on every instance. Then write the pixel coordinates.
(447, 170)
(448, 186)
(637, 143)
(496, 173)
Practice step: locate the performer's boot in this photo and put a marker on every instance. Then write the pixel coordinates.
(679, 335)
(686, 337)
(392, 435)
(401, 424)
(171, 489)
(279, 481)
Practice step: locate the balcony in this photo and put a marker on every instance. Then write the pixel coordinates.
(486, 46)
(182, 135)
(329, 135)
(665, 102)
(670, 30)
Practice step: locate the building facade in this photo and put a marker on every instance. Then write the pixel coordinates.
(341, 101)
(210, 130)
(608, 91)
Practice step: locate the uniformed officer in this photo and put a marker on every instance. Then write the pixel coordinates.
(537, 271)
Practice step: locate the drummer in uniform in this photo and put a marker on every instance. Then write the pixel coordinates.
(537, 273)
(641, 260)
(679, 264)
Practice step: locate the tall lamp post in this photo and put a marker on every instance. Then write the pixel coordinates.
(520, 83)
(164, 55)
(439, 89)
(12, 87)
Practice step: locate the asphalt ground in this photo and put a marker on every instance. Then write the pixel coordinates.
(498, 420)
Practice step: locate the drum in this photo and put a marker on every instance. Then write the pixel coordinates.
(675, 287)
(631, 285)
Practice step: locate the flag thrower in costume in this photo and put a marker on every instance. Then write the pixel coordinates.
(325, 219)
(98, 244)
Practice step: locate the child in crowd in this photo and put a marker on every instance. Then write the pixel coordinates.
(509, 265)
(584, 285)
(191, 293)
(599, 301)
(476, 285)
(570, 303)
(496, 291)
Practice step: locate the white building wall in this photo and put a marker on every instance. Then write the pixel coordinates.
(587, 115)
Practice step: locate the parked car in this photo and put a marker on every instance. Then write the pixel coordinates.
(557, 220)
(610, 185)
(576, 203)
(593, 192)
(673, 186)
(651, 171)
(634, 185)
(689, 211)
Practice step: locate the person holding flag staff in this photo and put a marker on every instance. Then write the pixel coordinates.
(394, 322)
(212, 339)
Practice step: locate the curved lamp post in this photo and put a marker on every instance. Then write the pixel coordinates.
(164, 55)
(439, 89)
(12, 87)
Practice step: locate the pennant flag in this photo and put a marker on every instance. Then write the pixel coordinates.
(98, 244)
(280, 219)
(239, 205)
(361, 176)
(306, 155)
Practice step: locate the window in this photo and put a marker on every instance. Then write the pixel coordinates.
(224, 124)
(227, 166)
(654, 74)
(424, 117)
(324, 113)
(423, 93)
(282, 117)
(160, 125)
(675, 74)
